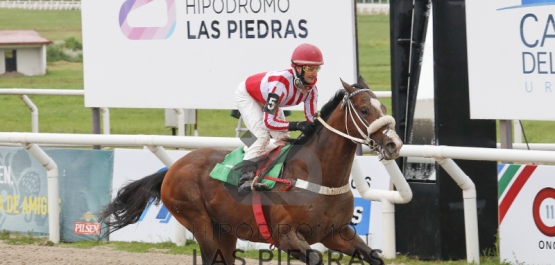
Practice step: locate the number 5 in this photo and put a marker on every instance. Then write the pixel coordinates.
(271, 102)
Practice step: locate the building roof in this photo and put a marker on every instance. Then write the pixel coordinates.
(21, 37)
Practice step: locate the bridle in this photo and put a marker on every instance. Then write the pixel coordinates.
(351, 112)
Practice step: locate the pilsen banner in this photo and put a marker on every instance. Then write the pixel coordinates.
(84, 187)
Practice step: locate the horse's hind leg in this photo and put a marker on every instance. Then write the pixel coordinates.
(216, 244)
(349, 243)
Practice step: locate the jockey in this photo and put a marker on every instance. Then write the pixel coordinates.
(260, 99)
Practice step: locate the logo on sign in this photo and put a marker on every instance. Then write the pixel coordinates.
(537, 36)
(86, 228)
(543, 211)
(146, 33)
(217, 28)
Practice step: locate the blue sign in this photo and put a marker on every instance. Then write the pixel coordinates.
(361, 216)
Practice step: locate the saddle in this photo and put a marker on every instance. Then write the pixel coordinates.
(269, 166)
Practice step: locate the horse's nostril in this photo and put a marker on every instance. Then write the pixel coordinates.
(391, 147)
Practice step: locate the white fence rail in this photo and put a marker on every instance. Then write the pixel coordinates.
(363, 6)
(24, 92)
(442, 154)
(42, 4)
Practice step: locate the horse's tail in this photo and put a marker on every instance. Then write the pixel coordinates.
(131, 201)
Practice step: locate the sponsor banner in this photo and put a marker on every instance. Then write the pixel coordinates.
(84, 185)
(85, 178)
(23, 192)
(86, 228)
(511, 58)
(526, 214)
(156, 224)
(168, 53)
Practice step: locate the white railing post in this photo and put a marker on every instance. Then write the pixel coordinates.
(403, 194)
(105, 120)
(34, 113)
(24, 92)
(517, 132)
(470, 208)
(180, 121)
(52, 185)
(388, 222)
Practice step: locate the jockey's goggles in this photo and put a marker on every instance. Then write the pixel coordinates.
(311, 69)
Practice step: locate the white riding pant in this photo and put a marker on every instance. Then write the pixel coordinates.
(252, 115)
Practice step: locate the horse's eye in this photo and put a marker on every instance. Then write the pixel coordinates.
(364, 111)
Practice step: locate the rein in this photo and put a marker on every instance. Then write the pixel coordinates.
(351, 112)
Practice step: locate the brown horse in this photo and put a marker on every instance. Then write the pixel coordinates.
(320, 210)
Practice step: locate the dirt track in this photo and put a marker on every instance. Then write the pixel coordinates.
(53, 255)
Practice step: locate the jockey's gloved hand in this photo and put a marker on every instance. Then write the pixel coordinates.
(300, 126)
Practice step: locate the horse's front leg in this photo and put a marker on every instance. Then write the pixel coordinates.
(349, 243)
(296, 246)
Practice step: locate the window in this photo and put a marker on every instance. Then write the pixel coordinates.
(11, 60)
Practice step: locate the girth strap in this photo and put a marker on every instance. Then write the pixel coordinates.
(260, 219)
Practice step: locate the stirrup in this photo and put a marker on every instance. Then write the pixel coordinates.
(250, 186)
(257, 185)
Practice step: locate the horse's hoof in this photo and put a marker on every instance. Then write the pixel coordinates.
(375, 257)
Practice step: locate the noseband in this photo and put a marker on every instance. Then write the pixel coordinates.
(350, 113)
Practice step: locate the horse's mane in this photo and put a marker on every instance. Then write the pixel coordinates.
(325, 113)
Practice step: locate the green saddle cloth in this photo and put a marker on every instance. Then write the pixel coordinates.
(223, 171)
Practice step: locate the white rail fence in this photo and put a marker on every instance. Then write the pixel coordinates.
(181, 113)
(42, 4)
(24, 92)
(442, 154)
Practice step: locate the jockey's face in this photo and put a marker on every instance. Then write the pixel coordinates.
(310, 73)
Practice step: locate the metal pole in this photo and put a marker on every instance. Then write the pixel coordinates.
(96, 124)
(517, 131)
(506, 129)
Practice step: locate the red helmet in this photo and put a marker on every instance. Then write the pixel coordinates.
(306, 54)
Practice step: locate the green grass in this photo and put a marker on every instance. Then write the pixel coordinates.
(373, 51)
(51, 24)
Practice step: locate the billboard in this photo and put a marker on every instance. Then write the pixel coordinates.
(526, 214)
(511, 59)
(194, 53)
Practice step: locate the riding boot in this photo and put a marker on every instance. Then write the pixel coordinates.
(245, 185)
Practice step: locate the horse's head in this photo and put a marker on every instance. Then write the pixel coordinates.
(365, 120)
(355, 113)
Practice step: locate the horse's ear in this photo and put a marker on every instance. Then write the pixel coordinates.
(362, 82)
(347, 87)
